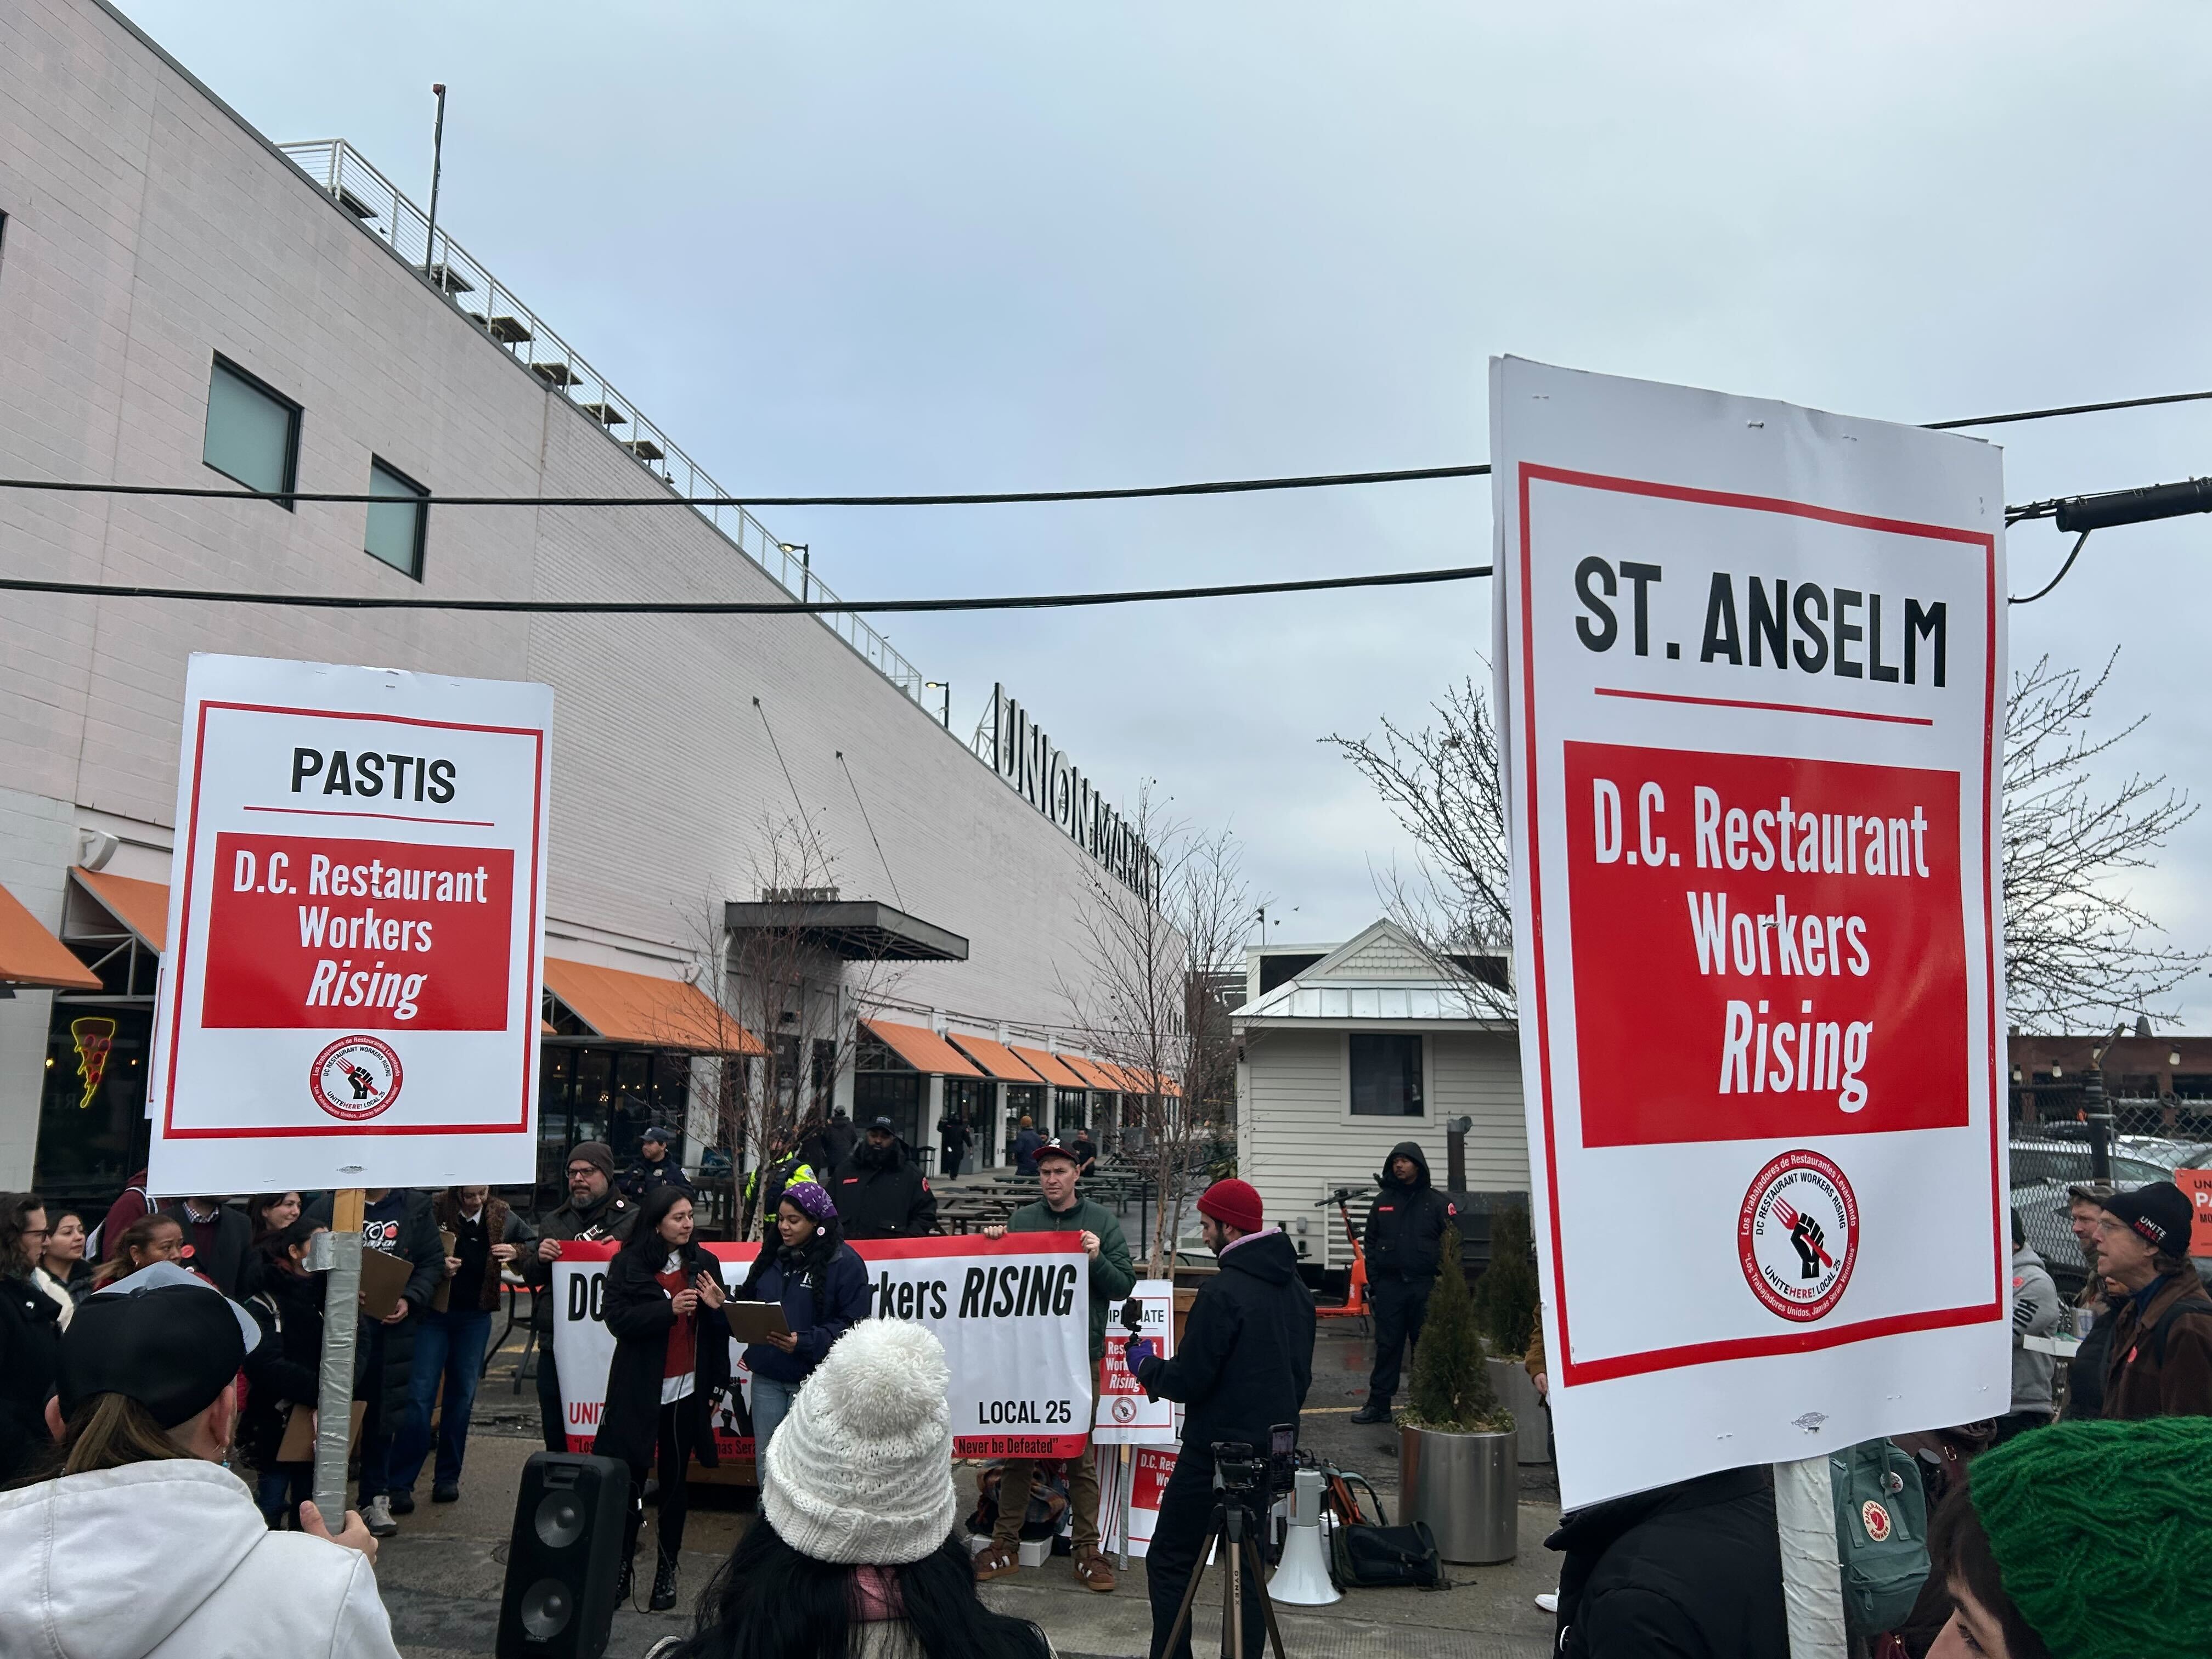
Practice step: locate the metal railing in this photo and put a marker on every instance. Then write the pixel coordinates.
(385, 210)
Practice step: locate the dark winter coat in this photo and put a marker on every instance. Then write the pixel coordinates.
(398, 1224)
(642, 1176)
(1693, 1568)
(839, 1137)
(286, 1369)
(502, 1227)
(953, 1139)
(2161, 1364)
(1406, 1224)
(888, 1200)
(1025, 1149)
(821, 1302)
(609, 1220)
(639, 1317)
(1246, 1358)
(1113, 1275)
(224, 1259)
(30, 1342)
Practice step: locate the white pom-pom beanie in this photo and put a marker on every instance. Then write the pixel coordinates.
(861, 1472)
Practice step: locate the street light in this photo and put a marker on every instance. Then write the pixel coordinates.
(945, 686)
(806, 552)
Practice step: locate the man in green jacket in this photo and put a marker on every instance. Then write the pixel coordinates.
(1062, 1210)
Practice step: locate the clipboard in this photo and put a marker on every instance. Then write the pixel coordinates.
(440, 1296)
(298, 1445)
(383, 1281)
(754, 1321)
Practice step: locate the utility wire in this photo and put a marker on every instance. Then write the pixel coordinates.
(980, 498)
(741, 607)
(805, 822)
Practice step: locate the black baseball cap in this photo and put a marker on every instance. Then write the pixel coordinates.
(883, 1123)
(656, 1132)
(172, 1348)
(1056, 1148)
(2159, 1214)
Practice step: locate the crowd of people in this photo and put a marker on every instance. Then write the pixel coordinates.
(198, 1334)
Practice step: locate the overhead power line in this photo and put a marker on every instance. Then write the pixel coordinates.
(979, 498)
(741, 607)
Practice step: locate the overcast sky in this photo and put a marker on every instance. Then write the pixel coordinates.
(900, 248)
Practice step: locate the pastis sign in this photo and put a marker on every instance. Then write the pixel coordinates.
(349, 997)
(1751, 675)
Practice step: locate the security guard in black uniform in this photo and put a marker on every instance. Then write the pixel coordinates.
(880, 1192)
(1403, 1244)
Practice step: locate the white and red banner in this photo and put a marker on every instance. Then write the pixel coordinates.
(350, 994)
(1751, 676)
(1014, 1315)
(1125, 1416)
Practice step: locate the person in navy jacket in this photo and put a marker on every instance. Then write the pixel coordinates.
(822, 1284)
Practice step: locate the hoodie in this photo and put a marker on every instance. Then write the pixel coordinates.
(1245, 1358)
(205, 1577)
(2035, 1311)
(1406, 1224)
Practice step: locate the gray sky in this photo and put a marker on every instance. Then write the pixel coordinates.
(889, 248)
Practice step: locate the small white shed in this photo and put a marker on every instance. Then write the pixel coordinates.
(1344, 1051)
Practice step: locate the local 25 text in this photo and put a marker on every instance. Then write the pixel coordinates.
(1763, 945)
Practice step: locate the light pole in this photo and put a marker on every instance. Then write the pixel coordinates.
(945, 686)
(2096, 1110)
(437, 161)
(806, 552)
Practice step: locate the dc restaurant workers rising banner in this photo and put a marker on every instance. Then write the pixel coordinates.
(1751, 676)
(349, 997)
(1013, 1314)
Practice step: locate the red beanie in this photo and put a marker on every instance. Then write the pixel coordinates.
(1234, 1204)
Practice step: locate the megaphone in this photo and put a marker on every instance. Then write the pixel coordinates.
(1302, 1577)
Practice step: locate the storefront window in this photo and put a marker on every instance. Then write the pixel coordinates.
(1023, 1100)
(894, 1095)
(1068, 1110)
(91, 1110)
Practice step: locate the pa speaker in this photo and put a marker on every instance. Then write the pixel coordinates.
(564, 1558)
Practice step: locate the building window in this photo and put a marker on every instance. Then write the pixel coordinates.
(1386, 1075)
(396, 531)
(253, 433)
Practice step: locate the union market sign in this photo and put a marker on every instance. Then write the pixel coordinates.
(1028, 763)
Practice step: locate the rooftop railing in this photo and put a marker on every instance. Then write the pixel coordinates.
(385, 211)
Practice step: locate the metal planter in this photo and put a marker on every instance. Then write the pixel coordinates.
(1467, 1487)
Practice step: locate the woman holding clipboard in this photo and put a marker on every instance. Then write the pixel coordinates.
(823, 1285)
(670, 1354)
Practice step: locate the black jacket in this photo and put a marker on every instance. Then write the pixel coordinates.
(610, 1218)
(1405, 1225)
(886, 1201)
(639, 1316)
(1693, 1568)
(30, 1342)
(1246, 1358)
(399, 1224)
(225, 1260)
(952, 1138)
(642, 1176)
(839, 1137)
(286, 1369)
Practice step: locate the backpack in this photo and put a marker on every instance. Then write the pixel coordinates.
(1882, 1534)
(1385, 1558)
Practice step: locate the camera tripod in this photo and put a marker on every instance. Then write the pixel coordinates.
(1231, 1535)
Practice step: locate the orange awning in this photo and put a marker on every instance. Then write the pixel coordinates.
(1049, 1068)
(1094, 1075)
(141, 906)
(666, 1013)
(30, 955)
(997, 1059)
(920, 1047)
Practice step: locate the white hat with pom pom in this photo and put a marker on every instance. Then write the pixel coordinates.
(861, 1470)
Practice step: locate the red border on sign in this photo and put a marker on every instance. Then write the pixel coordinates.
(181, 944)
(1706, 1353)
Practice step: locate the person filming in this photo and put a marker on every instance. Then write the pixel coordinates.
(1243, 1366)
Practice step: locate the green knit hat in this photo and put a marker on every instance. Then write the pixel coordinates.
(2101, 1532)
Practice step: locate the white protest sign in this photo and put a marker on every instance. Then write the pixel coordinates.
(1751, 676)
(349, 996)
(1014, 1315)
(1125, 1416)
(1148, 1483)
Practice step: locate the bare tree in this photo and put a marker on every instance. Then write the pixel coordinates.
(1443, 785)
(786, 1006)
(2079, 950)
(1150, 999)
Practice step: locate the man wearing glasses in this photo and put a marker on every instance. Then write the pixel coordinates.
(594, 1210)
